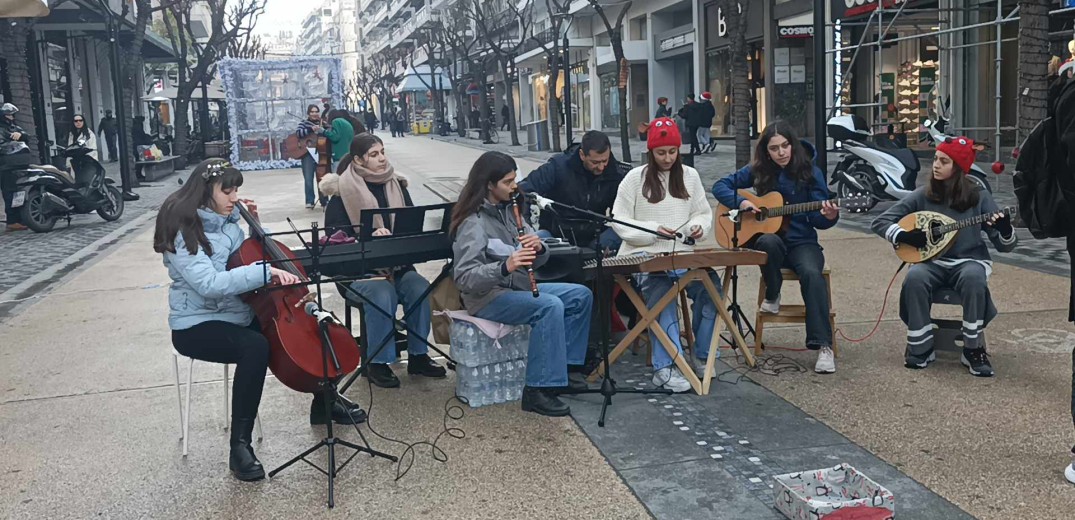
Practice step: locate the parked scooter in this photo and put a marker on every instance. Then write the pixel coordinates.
(48, 193)
(883, 171)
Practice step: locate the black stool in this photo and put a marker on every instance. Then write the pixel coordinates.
(948, 334)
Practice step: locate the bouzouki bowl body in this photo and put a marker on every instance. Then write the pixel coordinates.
(925, 220)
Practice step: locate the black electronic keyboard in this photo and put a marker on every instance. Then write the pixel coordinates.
(361, 258)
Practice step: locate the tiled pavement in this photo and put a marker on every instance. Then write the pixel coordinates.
(25, 255)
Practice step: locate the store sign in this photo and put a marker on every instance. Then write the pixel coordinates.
(856, 8)
(718, 33)
(797, 31)
(722, 22)
(676, 42)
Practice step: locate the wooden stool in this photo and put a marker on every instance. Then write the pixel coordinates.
(789, 313)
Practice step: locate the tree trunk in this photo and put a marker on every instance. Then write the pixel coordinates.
(1033, 59)
(510, 100)
(740, 83)
(182, 124)
(554, 104)
(625, 137)
(13, 37)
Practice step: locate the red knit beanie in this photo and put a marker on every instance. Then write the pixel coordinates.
(663, 132)
(961, 150)
(707, 95)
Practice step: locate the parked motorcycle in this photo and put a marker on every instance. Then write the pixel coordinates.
(47, 193)
(882, 170)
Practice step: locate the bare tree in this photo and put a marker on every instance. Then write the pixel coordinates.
(735, 13)
(247, 47)
(430, 40)
(494, 29)
(458, 36)
(1033, 59)
(229, 20)
(549, 41)
(615, 35)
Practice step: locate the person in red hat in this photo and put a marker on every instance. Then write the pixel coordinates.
(965, 266)
(666, 196)
(706, 113)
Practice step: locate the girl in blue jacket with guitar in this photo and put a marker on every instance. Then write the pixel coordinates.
(784, 164)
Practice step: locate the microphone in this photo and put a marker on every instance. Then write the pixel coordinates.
(541, 202)
(314, 310)
(733, 214)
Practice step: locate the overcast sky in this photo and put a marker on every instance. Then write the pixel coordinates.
(281, 15)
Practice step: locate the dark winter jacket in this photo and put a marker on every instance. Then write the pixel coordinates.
(9, 127)
(689, 114)
(564, 179)
(108, 126)
(803, 227)
(706, 113)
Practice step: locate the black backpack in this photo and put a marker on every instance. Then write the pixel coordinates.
(1044, 181)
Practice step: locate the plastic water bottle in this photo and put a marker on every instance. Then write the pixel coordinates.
(474, 394)
(486, 385)
(498, 383)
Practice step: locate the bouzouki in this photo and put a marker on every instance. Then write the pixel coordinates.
(770, 215)
(940, 231)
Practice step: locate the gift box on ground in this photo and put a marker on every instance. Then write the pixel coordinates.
(813, 495)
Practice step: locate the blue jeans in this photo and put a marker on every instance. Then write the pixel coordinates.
(608, 239)
(309, 173)
(387, 295)
(559, 322)
(808, 262)
(703, 319)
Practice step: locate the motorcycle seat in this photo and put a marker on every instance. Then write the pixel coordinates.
(48, 168)
(905, 156)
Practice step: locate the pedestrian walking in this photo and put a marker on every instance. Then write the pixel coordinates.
(110, 130)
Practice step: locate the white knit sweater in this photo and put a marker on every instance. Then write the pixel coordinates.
(631, 206)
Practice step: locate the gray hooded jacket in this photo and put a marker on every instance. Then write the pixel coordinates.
(482, 245)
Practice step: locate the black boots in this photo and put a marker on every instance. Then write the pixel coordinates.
(381, 375)
(544, 401)
(422, 365)
(244, 464)
(343, 411)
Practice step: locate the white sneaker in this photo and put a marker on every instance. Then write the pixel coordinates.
(670, 378)
(826, 361)
(1069, 472)
(309, 206)
(771, 306)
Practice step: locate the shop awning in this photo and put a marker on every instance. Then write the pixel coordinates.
(413, 83)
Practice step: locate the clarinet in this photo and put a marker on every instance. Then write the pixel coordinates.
(521, 229)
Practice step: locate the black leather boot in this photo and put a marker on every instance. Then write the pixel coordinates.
(543, 401)
(343, 411)
(423, 365)
(244, 464)
(381, 375)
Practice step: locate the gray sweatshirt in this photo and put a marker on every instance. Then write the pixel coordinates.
(482, 245)
(968, 243)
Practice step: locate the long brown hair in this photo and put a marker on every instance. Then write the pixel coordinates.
(767, 171)
(179, 212)
(652, 188)
(957, 191)
(490, 168)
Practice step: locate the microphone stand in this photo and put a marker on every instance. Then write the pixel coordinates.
(608, 384)
(738, 317)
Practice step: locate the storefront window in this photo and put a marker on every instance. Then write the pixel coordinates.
(60, 89)
(718, 80)
(580, 96)
(610, 101)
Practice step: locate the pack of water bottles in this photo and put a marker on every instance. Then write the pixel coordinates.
(489, 371)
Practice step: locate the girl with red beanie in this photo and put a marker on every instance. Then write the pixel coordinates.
(966, 265)
(666, 196)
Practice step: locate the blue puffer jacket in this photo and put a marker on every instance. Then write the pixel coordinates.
(803, 227)
(203, 289)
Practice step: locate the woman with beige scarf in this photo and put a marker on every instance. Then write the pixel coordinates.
(370, 183)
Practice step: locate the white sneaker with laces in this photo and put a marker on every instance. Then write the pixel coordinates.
(671, 379)
(826, 361)
(771, 306)
(1069, 472)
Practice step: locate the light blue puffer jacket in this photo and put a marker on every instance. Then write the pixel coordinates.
(203, 289)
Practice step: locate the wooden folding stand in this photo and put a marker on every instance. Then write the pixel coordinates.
(698, 266)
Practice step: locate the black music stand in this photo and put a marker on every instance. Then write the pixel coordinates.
(738, 317)
(608, 384)
(328, 391)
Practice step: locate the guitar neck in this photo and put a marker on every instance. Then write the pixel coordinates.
(802, 207)
(973, 221)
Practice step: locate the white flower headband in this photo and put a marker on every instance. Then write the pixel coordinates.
(215, 170)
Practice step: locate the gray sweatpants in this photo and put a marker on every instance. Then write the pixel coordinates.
(969, 279)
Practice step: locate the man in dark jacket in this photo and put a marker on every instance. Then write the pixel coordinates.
(706, 113)
(10, 131)
(109, 127)
(586, 176)
(690, 112)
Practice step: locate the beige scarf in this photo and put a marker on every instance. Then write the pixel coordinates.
(357, 196)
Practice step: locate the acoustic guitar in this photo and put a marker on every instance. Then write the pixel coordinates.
(940, 231)
(770, 215)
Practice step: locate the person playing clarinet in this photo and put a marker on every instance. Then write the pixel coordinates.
(491, 261)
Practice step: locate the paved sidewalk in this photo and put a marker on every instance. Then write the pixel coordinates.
(32, 262)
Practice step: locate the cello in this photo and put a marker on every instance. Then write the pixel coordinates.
(324, 156)
(295, 355)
